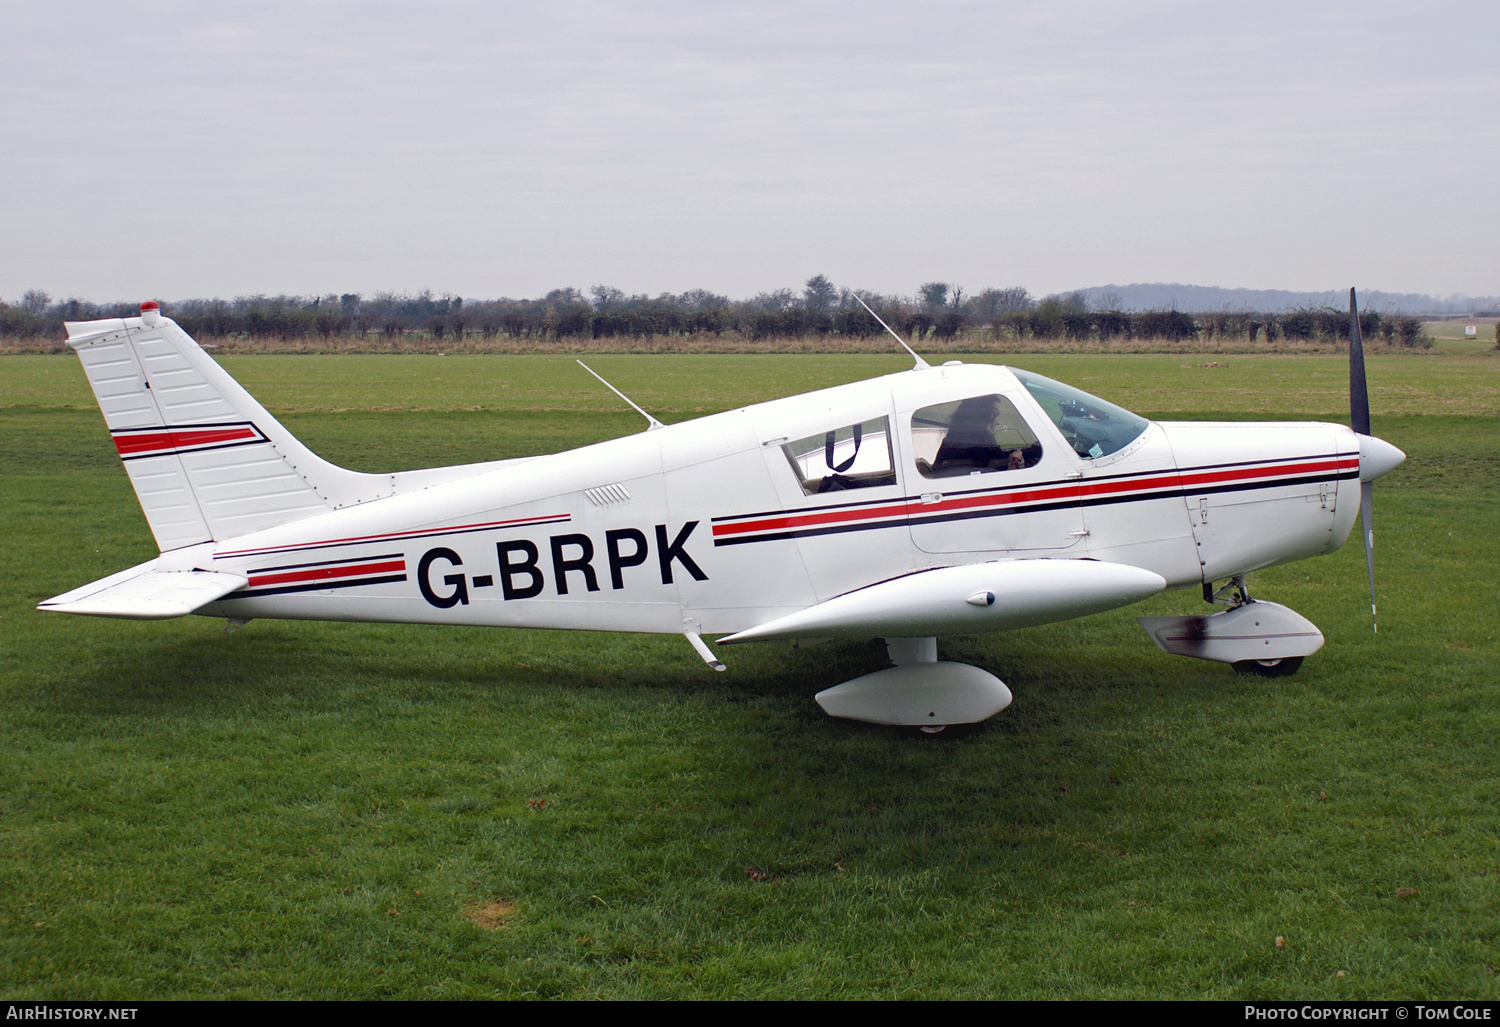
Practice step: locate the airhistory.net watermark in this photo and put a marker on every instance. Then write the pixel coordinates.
(42, 1011)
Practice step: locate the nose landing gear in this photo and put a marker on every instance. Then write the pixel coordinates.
(1283, 667)
(1253, 636)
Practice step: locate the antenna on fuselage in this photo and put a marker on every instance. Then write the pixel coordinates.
(922, 365)
(655, 424)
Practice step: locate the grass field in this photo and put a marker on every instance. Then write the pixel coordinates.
(1448, 336)
(348, 811)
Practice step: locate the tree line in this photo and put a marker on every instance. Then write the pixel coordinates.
(937, 311)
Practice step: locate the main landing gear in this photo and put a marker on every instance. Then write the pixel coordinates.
(920, 691)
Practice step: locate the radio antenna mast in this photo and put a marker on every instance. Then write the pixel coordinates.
(922, 365)
(655, 424)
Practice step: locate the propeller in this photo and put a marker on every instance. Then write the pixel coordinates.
(1359, 420)
(1376, 456)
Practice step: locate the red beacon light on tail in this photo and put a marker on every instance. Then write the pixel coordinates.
(150, 313)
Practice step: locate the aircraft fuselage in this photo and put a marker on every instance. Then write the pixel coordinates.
(710, 525)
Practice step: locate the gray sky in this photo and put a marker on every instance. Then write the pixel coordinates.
(487, 149)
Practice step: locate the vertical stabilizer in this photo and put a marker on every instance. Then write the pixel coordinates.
(206, 460)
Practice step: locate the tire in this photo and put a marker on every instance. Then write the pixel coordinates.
(1282, 668)
(946, 733)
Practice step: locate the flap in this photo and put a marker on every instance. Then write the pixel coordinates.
(146, 593)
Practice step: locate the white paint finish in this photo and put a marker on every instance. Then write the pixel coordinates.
(918, 695)
(1027, 593)
(653, 611)
(119, 385)
(1018, 531)
(1255, 631)
(150, 595)
(1377, 458)
(183, 393)
(303, 533)
(1281, 517)
(1153, 533)
(93, 587)
(167, 500)
(903, 651)
(246, 488)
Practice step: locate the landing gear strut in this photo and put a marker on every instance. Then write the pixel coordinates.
(1234, 594)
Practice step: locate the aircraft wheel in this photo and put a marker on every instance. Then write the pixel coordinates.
(941, 732)
(1282, 668)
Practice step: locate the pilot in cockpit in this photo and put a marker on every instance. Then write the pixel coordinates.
(971, 444)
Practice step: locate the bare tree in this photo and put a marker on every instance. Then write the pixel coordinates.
(606, 296)
(988, 304)
(780, 299)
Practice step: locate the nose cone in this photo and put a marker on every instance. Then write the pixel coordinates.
(1377, 457)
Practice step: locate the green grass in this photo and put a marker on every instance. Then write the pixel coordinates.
(1448, 336)
(307, 810)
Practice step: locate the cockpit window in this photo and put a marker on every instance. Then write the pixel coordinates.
(854, 457)
(1092, 427)
(971, 436)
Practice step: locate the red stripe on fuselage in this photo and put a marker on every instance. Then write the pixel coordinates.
(1041, 493)
(326, 573)
(137, 443)
(1254, 473)
(394, 536)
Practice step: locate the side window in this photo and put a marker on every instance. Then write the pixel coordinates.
(854, 457)
(970, 436)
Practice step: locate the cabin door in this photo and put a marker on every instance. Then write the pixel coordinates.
(980, 478)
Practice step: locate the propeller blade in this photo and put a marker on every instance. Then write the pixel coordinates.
(1359, 420)
(1359, 393)
(1367, 526)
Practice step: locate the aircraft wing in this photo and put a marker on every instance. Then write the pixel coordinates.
(145, 593)
(962, 600)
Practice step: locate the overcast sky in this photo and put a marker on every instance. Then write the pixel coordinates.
(489, 149)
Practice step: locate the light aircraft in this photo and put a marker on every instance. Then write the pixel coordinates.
(940, 500)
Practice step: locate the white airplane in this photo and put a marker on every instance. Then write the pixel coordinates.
(941, 500)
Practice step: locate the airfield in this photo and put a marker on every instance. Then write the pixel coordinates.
(315, 810)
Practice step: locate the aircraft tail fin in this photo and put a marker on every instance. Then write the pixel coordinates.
(207, 461)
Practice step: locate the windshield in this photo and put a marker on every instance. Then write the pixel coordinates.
(1092, 427)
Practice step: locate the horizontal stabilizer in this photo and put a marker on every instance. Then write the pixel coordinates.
(964, 600)
(145, 593)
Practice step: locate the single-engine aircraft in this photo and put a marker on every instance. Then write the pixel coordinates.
(940, 500)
